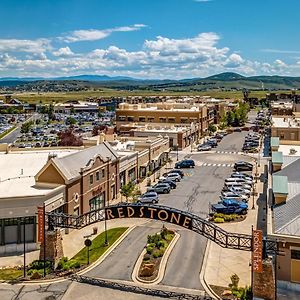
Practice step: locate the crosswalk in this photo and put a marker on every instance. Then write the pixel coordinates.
(204, 164)
(228, 152)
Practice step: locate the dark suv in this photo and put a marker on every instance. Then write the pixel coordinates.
(187, 163)
(243, 166)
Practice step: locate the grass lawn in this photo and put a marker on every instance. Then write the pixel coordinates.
(98, 245)
(10, 274)
(106, 92)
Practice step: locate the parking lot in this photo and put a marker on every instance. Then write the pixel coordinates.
(44, 132)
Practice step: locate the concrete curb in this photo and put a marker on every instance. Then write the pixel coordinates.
(87, 269)
(162, 266)
(205, 285)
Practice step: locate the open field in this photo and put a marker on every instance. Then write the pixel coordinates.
(84, 95)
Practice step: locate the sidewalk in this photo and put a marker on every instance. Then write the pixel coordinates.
(221, 263)
(72, 242)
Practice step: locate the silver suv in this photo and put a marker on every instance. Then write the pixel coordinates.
(160, 188)
(148, 197)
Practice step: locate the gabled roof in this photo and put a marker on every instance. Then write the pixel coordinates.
(292, 171)
(287, 217)
(71, 165)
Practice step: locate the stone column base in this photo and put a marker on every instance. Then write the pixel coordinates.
(264, 283)
(53, 247)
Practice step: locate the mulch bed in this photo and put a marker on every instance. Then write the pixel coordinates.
(156, 262)
(219, 291)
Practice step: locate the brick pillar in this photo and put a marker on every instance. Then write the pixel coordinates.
(54, 249)
(264, 283)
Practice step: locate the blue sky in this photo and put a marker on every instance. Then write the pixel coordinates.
(149, 38)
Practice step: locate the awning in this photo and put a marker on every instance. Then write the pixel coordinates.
(277, 158)
(274, 141)
(280, 184)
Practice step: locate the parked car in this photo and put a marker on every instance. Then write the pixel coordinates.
(241, 175)
(160, 188)
(230, 185)
(241, 191)
(204, 147)
(173, 177)
(186, 163)
(177, 171)
(212, 142)
(171, 183)
(148, 197)
(230, 207)
(243, 166)
(233, 195)
(239, 180)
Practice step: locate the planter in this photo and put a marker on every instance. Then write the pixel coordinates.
(153, 269)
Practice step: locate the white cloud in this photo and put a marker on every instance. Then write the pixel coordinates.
(281, 51)
(63, 52)
(234, 61)
(161, 57)
(30, 46)
(97, 34)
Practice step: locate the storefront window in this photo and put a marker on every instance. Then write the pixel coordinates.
(131, 174)
(97, 202)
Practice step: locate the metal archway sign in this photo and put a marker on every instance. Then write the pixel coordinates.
(162, 213)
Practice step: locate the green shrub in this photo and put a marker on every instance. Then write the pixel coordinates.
(149, 249)
(153, 238)
(73, 264)
(61, 263)
(161, 252)
(160, 244)
(39, 264)
(156, 254)
(219, 220)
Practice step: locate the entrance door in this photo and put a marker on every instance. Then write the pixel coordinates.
(295, 265)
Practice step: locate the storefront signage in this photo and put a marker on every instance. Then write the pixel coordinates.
(97, 191)
(41, 224)
(257, 251)
(140, 211)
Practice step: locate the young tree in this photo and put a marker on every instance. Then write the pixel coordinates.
(25, 128)
(212, 128)
(50, 111)
(127, 190)
(71, 121)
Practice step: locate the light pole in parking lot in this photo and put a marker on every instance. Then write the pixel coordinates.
(253, 194)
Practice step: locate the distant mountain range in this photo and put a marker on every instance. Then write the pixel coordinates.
(224, 81)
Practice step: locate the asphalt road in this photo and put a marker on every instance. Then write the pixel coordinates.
(120, 263)
(232, 142)
(11, 137)
(184, 263)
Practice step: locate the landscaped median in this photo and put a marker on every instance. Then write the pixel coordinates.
(66, 266)
(151, 264)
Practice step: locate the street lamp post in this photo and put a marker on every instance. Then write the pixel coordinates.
(253, 194)
(24, 247)
(108, 195)
(177, 151)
